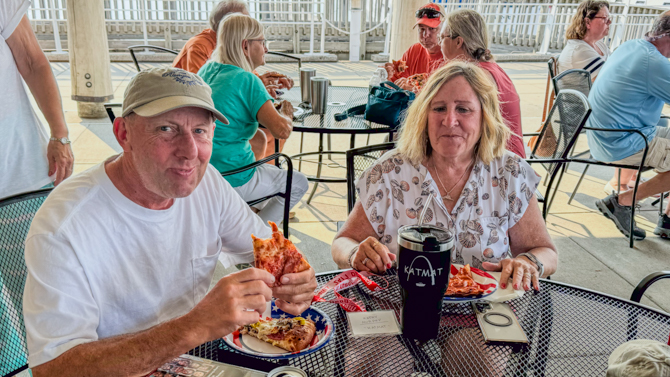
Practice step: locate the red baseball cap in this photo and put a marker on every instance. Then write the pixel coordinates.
(429, 15)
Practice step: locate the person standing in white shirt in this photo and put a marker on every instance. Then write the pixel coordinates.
(121, 256)
(29, 157)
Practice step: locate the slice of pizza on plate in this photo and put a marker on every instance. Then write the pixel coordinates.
(462, 284)
(292, 334)
(278, 255)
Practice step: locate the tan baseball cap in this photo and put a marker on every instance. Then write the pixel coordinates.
(155, 91)
(640, 358)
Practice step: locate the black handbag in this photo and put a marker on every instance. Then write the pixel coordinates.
(386, 104)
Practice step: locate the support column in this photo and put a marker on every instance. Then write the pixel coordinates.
(355, 30)
(402, 34)
(89, 57)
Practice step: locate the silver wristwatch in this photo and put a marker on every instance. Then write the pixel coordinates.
(63, 140)
(534, 259)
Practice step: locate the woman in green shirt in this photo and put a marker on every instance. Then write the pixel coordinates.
(242, 98)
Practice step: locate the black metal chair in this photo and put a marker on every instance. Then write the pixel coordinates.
(645, 283)
(359, 159)
(565, 122)
(132, 49)
(16, 215)
(110, 107)
(575, 79)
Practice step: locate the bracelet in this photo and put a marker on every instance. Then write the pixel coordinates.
(351, 255)
(534, 259)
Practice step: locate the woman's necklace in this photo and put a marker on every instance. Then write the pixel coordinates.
(447, 196)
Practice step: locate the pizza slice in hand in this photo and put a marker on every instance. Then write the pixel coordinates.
(399, 65)
(278, 255)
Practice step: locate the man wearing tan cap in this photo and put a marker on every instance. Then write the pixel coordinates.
(120, 257)
(425, 56)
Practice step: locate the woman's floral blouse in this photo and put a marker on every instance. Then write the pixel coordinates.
(494, 199)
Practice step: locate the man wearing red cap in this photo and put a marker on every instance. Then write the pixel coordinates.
(425, 56)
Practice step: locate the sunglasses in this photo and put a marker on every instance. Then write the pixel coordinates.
(428, 13)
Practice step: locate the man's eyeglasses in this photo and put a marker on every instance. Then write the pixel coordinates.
(607, 20)
(428, 13)
(264, 41)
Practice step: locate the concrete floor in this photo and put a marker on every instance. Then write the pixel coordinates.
(592, 253)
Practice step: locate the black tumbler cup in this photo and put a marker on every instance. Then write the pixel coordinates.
(424, 260)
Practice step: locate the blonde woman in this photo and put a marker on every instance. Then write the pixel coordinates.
(464, 37)
(241, 96)
(452, 144)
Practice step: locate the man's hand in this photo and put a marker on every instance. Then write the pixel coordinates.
(236, 300)
(390, 69)
(61, 160)
(405, 84)
(296, 292)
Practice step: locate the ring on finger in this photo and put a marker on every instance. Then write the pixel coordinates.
(365, 260)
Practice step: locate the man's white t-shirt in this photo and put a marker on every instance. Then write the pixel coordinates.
(100, 265)
(578, 54)
(23, 145)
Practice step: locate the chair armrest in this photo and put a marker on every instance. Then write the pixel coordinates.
(287, 56)
(531, 134)
(546, 160)
(276, 156)
(644, 138)
(646, 283)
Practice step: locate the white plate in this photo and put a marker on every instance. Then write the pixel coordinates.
(483, 278)
(256, 347)
(297, 111)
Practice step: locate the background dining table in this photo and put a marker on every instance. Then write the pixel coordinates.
(571, 332)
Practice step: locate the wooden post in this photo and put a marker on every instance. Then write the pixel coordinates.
(402, 34)
(89, 57)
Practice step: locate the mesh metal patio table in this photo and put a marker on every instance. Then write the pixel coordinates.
(340, 98)
(571, 331)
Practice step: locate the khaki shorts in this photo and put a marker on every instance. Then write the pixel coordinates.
(658, 155)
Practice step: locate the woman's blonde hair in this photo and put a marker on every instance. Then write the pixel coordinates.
(233, 30)
(414, 142)
(470, 25)
(586, 9)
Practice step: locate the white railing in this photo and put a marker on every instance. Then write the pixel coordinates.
(542, 24)
(539, 24)
(156, 19)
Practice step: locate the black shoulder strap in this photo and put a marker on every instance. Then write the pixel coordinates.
(356, 110)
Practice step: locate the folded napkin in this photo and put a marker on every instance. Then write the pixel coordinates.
(501, 295)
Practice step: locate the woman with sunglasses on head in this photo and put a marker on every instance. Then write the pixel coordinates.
(241, 96)
(464, 36)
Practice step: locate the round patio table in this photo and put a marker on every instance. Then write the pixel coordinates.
(340, 98)
(571, 332)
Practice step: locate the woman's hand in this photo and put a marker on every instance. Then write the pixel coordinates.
(372, 256)
(521, 270)
(286, 108)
